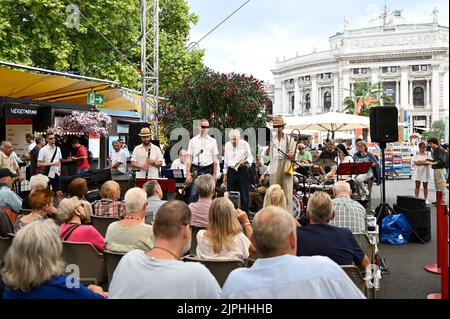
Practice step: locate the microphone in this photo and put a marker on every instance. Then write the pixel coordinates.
(198, 154)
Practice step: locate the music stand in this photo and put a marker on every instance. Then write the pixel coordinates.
(353, 168)
(172, 173)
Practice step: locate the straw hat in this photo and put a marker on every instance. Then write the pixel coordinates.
(278, 121)
(145, 131)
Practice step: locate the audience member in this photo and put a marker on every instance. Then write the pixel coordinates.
(349, 213)
(72, 215)
(275, 197)
(37, 182)
(206, 188)
(281, 274)
(159, 273)
(34, 153)
(34, 269)
(78, 188)
(81, 157)
(8, 199)
(224, 239)
(303, 155)
(154, 199)
(110, 204)
(320, 238)
(41, 203)
(363, 155)
(131, 232)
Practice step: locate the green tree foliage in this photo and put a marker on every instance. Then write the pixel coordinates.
(35, 33)
(226, 100)
(437, 131)
(367, 95)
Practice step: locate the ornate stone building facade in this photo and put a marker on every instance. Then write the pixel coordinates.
(410, 60)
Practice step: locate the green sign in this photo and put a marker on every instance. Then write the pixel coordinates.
(95, 98)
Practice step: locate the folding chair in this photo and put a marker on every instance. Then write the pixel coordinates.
(90, 263)
(366, 246)
(195, 230)
(220, 269)
(101, 223)
(355, 275)
(112, 259)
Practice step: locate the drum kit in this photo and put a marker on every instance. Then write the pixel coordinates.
(310, 179)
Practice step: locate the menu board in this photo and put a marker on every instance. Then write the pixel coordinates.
(15, 133)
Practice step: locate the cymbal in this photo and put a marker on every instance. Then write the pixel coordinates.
(325, 162)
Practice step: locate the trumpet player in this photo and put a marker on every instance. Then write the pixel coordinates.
(118, 160)
(237, 160)
(279, 164)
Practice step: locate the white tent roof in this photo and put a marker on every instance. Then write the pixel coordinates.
(331, 121)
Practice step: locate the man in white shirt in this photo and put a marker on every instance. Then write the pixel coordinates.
(158, 273)
(146, 157)
(118, 164)
(180, 162)
(49, 162)
(202, 157)
(281, 274)
(238, 152)
(279, 163)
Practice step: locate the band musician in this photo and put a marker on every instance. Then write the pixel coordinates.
(146, 157)
(279, 164)
(237, 160)
(202, 158)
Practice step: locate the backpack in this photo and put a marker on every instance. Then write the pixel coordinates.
(90, 157)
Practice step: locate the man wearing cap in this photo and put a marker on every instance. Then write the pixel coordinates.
(146, 156)
(8, 199)
(202, 157)
(279, 163)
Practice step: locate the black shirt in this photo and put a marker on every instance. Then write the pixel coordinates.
(34, 154)
(440, 156)
(337, 243)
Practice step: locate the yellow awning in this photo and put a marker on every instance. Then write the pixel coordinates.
(17, 81)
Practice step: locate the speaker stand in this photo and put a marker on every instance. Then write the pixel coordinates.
(383, 209)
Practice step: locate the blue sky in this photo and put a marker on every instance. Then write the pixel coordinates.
(251, 40)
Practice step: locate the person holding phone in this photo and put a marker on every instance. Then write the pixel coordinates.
(237, 159)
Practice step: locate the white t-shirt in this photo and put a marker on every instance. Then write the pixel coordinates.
(176, 164)
(209, 153)
(205, 249)
(140, 155)
(139, 276)
(120, 157)
(46, 154)
(31, 146)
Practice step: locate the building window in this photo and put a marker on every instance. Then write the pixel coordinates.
(327, 101)
(393, 69)
(418, 96)
(307, 102)
(326, 76)
(292, 104)
(291, 81)
(423, 68)
(415, 68)
(307, 78)
(385, 69)
(360, 71)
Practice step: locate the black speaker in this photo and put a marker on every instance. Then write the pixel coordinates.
(133, 138)
(411, 202)
(384, 124)
(420, 221)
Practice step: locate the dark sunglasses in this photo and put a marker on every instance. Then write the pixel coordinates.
(204, 126)
(50, 138)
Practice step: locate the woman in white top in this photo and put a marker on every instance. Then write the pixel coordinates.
(343, 157)
(422, 173)
(224, 239)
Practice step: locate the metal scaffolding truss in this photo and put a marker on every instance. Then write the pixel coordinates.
(149, 61)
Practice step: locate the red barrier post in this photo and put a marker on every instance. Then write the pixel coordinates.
(435, 268)
(442, 237)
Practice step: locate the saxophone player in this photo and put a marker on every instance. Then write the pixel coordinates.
(237, 159)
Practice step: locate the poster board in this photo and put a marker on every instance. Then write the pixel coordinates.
(15, 133)
(94, 145)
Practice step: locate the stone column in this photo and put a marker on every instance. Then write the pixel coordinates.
(411, 94)
(284, 98)
(314, 95)
(404, 88)
(296, 97)
(435, 93)
(336, 107)
(277, 103)
(374, 74)
(427, 95)
(397, 94)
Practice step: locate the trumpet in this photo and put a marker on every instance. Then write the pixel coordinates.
(182, 190)
(241, 162)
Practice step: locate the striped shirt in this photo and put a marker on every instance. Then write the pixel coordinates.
(349, 214)
(9, 199)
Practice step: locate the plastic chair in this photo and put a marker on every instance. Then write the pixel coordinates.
(355, 275)
(219, 268)
(5, 243)
(112, 259)
(90, 263)
(195, 230)
(366, 246)
(101, 223)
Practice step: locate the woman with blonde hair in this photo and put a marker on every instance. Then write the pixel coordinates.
(275, 197)
(34, 269)
(41, 202)
(79, 188)
(224, 239)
